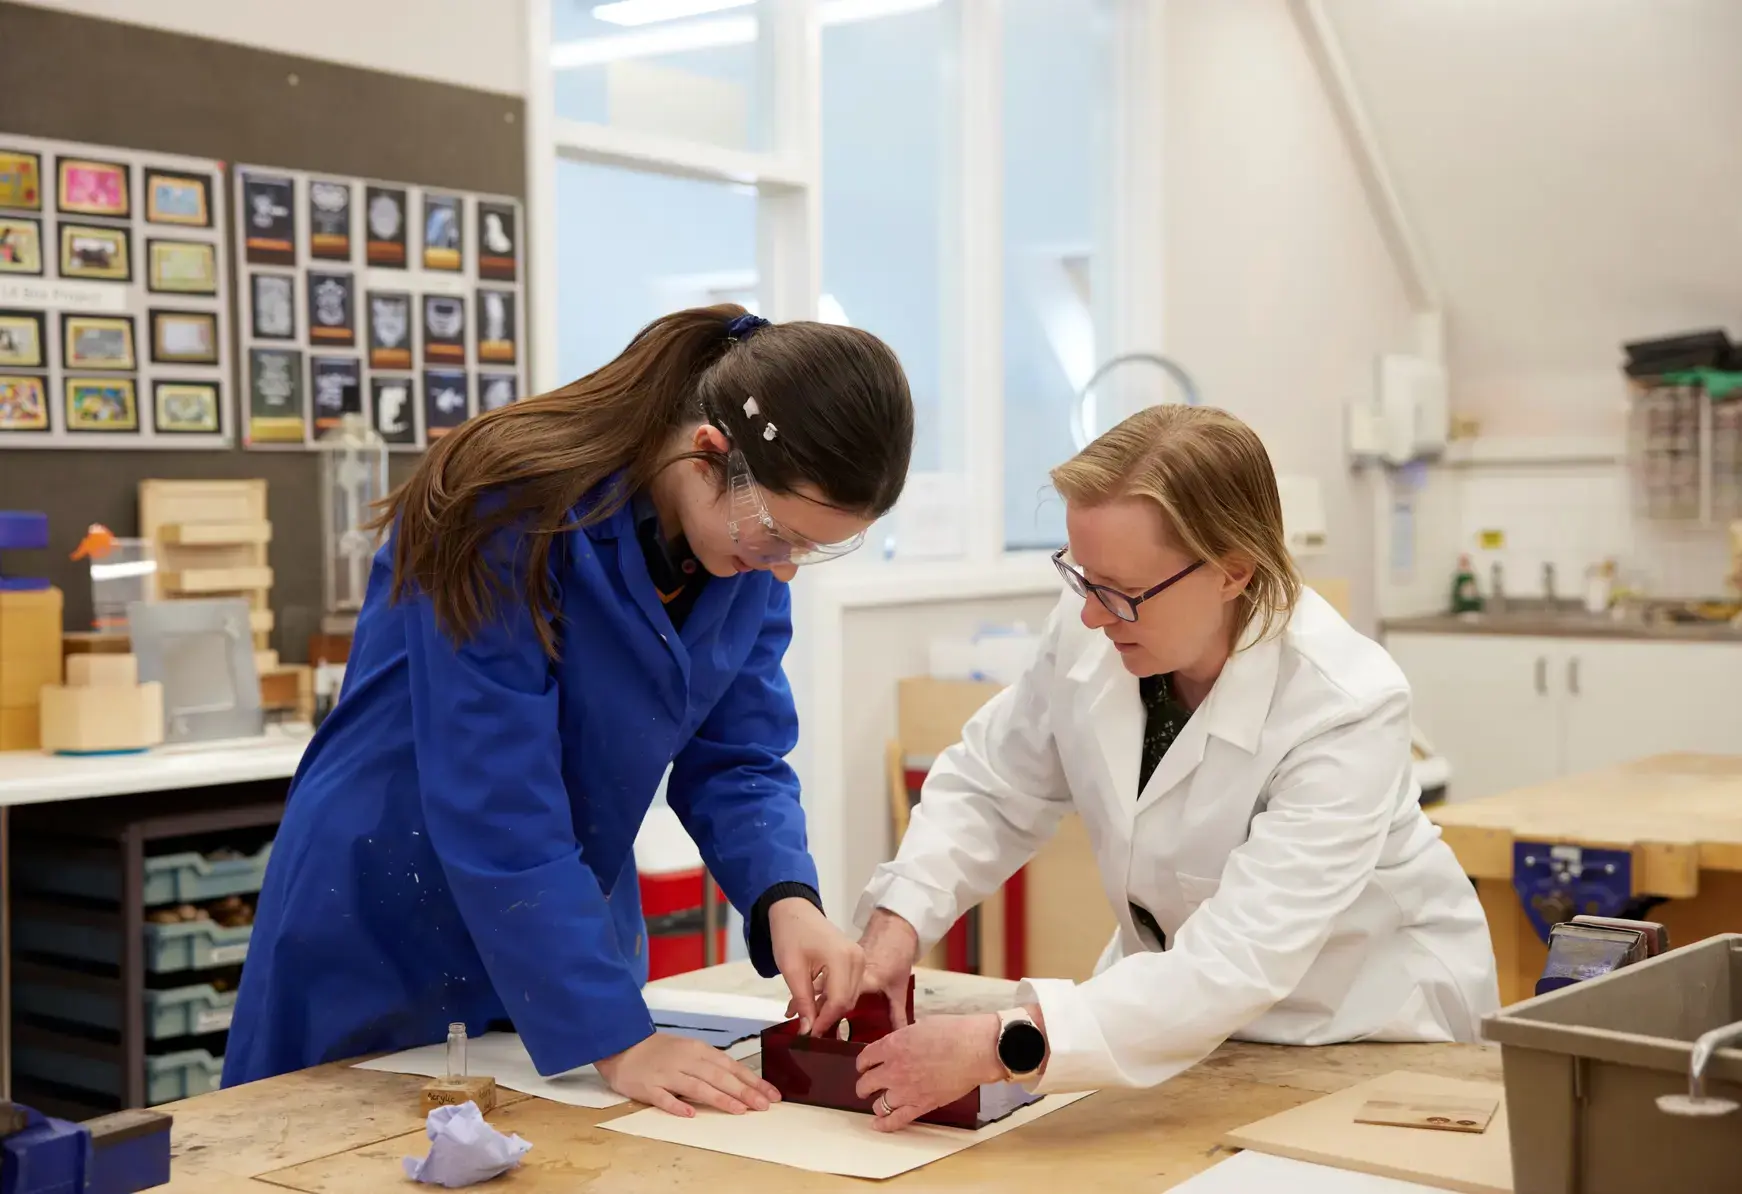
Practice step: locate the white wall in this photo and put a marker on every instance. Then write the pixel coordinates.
(1280, 290)
(470, 43)
(881, 646)
(1571, 168)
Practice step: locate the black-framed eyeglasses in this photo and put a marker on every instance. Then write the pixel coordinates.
(1121, 605)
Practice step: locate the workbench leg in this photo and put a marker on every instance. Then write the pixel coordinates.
(1519, 954)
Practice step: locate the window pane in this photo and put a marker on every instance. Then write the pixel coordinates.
(689, 69)
(888, 182)
(632, 247)
(1058, 103)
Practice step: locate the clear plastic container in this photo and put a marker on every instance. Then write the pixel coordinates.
(121, 572)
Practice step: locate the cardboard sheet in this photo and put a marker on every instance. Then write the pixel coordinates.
(503, 1057)
(1261, 1173)
(1325, 1132)
(821, 1139)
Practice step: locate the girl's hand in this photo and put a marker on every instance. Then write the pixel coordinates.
(816, 959)
(931, 1062)
(891, 947)
(663, 1070)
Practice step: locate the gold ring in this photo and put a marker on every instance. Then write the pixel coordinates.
(883, 1107)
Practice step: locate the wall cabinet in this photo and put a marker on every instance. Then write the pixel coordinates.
(1508, 711)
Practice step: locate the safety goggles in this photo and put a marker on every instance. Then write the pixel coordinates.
(759, 537)
(1121, 605)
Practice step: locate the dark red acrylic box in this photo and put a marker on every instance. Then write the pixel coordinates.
(824, 1070)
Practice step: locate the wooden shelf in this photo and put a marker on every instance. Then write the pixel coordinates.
(215, 580)
(214, 534)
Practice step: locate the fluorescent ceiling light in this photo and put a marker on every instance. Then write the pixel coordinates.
(683, 36)
(646, 12)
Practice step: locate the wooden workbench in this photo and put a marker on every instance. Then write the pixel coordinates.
(337, 1130)
(1680, 816)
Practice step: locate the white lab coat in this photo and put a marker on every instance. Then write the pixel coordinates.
(1279, 844)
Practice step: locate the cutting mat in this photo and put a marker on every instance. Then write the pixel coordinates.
(1325, 1133)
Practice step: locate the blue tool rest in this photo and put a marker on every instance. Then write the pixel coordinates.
(22, 530)
(1556, 883)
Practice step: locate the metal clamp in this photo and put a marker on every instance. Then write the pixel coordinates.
(1696, 1102)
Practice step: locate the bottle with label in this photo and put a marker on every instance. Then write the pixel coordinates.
(1466, 597)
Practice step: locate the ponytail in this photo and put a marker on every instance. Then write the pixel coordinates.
(537, 459)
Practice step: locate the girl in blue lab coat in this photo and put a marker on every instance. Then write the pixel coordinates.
(580, 589)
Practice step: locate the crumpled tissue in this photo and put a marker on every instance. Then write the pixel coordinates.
(464, 1149)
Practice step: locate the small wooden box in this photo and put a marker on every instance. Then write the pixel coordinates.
(824, 1071)
(102, 718)
(441, 1092)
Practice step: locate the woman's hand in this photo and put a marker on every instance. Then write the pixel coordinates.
(931, 1062)
(663, 1070)
(891, 948)
(821, 966)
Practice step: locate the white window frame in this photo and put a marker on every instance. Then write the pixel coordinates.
(1129, 311)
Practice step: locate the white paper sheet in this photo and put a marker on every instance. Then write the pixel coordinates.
(1260, 1173)
(502, 1056)
(822, 1139)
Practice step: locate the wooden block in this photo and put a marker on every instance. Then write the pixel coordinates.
(24, 673)
(1440, 1113)
(1669, 869)
(84, 720)
(90, 642)
(96, 671)
(192, 581)
(205, 534)
(442, 1092)
(29, 620)
(265, 661)
(1324, 1132)
(289, 686)
(260, 621)
(21, 728)
(163, 502)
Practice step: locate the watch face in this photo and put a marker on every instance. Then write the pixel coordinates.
(1021, 1047)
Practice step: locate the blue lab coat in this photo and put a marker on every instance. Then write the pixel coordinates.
(458, 843)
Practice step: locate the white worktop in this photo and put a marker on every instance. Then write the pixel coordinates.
(33, 777)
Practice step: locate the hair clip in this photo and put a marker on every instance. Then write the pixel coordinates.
(751, 410)
(768, 432)
(741, 327)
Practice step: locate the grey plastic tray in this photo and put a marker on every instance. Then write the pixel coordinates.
(183, 1011)
(168, 1076)
(169, 878)
(191, 945)
(1585, 1067)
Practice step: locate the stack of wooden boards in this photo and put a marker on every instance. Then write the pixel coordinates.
(30, 659)
(210, 539)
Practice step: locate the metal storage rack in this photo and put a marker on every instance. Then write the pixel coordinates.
(110, 1010)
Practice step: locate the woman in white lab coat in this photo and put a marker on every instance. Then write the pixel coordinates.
(1241, 760)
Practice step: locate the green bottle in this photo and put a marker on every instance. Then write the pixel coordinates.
(1466, 598)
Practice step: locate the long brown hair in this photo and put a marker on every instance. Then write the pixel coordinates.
(837, 394)
(1214, 482)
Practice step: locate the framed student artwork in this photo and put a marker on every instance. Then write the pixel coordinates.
(186, 407)
(174, 197)
(20, 245)
(400, 302)
(98, 342)
(114, 298)
(101, 404)
(23, 406)
(94, 188)
(23, 344)
(184, 337)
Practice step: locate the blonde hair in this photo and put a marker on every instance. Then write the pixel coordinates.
(1214, 483)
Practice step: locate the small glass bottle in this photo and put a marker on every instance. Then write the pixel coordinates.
(456, 1051)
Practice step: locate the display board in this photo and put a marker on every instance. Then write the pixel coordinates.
(114, 298)
(402, 303)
